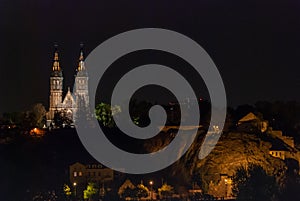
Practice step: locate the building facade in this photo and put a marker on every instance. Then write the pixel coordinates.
(96, 173)
(72, 101)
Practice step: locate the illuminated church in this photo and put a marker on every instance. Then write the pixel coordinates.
(72, 101)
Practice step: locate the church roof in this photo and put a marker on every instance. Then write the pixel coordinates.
(249, 117)
(69, 99)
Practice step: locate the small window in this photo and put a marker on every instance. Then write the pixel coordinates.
(75, 174)
(80, 174)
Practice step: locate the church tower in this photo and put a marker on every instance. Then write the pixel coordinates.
(56, 85)
(70, 105)
(81, 82)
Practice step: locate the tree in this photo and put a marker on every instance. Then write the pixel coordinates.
(34, 117)
(67, 191)
(61, 118)
(165, 191)
(243, 110)
(90, 192)
(39, 112)
(12, 118)
(139, 112)
(253, 183)
(142, 191)
(83, 113)
(47, 195)
(291, 186)
(129, 193)
(127, 190)
(105, 112)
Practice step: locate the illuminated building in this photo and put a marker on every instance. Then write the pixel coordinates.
(73, 100)
(82, 174)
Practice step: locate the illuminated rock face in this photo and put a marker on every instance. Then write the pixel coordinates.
(71, 102)
(234, 149)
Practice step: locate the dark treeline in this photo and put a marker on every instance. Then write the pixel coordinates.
(280, 115)
(41, 164)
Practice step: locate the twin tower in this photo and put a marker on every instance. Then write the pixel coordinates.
(67, 104)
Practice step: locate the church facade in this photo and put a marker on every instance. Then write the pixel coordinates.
(69, 104)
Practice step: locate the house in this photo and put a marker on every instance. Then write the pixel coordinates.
(96, 173)
(286, 139)
(278, 153)
(252, 123)
(285, 151)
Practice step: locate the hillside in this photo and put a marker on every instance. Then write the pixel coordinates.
(234, 149)
(42, 164)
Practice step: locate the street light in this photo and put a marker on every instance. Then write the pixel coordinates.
(226, 188)
(151, 184)
(75, 186)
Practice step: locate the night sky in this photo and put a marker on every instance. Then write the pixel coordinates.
(254, 43)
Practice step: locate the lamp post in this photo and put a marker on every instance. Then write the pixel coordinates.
(151, 184)
(75, 189)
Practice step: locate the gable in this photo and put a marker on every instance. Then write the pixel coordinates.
(249, 117)
(69, 99)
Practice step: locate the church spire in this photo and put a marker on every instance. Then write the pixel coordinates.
(56, 66)
(81, 66)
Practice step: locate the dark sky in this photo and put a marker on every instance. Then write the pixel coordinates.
(254, 43)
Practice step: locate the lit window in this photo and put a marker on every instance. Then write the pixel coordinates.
(80, 174)
(75, 174)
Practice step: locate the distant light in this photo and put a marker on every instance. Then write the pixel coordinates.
(74, 184)
(151, 182)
